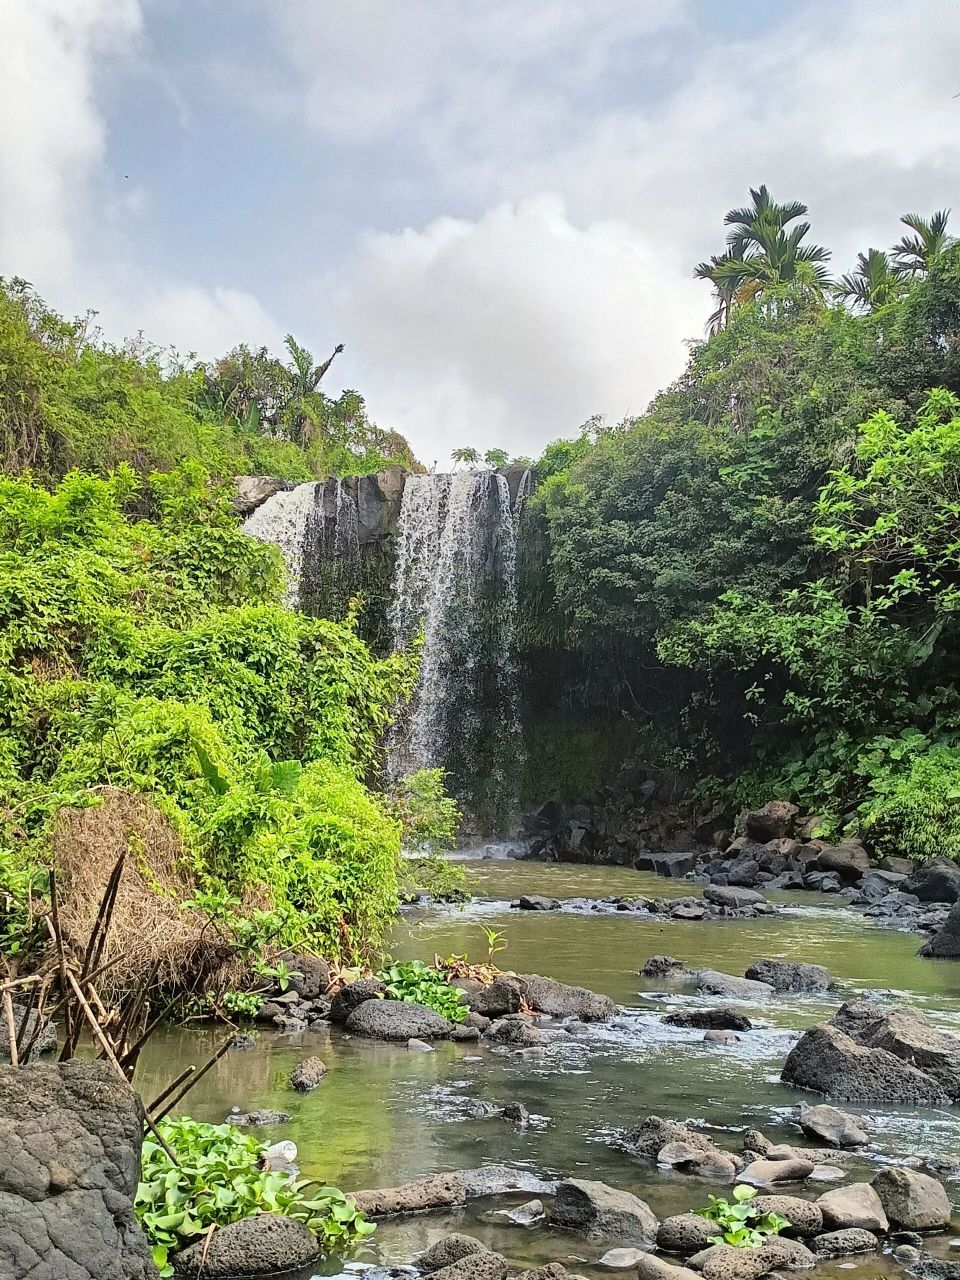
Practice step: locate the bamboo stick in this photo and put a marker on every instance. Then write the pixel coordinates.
(11, 1028)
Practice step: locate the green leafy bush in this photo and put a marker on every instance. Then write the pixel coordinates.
(221, 1179)
(418, 983)
(741, 1224)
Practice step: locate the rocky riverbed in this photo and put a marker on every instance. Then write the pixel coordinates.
(383, 1112)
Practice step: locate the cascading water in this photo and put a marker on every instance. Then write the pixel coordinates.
(455, 580)
(284, 520)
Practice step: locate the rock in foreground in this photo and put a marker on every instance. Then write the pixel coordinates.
(827, 1061)
(262, 1245)
(913, 1201)
(604, 1213)
(397, 1020)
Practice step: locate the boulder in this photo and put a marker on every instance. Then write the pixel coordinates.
(688, 911)
(717, 1019)
(662, 967)
(601, 1212)
(446, 1251)
(655, 1133)
(711, 982)
(827, 1061)
(831, 1125)
(517, 1029)
(763, 1172)
(696, 1160)
(855, 1205)
(306, 1075)
(723, 1262)
(945, 943)
(491, 1000)
(912, 1201)
(480, 1265)
(310, 976)
(743, 873)
(438, 1191)
(261, 1245)
(351, 996)
(804, 1216)
(935, 881)
(840, 1244)
(786, 975)
(650, 1267)
(849, 860)
(563, 1001)
(774, 821)
(397, 1020)
(537, 902)
(685, 1233)
(259, 1119)
(70, 1135)
(722, 895)
(252, 491)
(720, 1037)
(907, 1035)
(877, 885)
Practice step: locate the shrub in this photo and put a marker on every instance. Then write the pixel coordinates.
(741, 1224)
(417, 983)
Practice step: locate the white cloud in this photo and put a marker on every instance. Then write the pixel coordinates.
(513, 328)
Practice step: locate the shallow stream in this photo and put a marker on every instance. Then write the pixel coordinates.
(385, 1114)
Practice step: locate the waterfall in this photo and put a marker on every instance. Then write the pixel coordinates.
(455, 580)
(285, 520)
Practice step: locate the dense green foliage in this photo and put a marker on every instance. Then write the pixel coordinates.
(761, 574)
(220, 1178)
(418, 983)
(69, 400)
(142, 647)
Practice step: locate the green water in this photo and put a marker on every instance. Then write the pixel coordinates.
(384, 1114)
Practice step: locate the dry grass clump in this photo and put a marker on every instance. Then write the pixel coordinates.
(150, 932)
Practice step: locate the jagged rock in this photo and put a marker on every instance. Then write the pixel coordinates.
(769, 1170)
(516, 1112)
(713, 983)
(261, 1245)
(804, 1216)
(351, 996)
(306, 1075)
(662, 966)
(696, 1160)
(945, 943)
(831, 1125)
(907, 1035)
(912, 1201)
(601, 1212)
(438, 1191)
(718, 1019)
(563, 1001)
(825, 1060)
(774, 821)
(685, 1233)
(785, 975)
(688, 911)
(464, 1033)
(310, 976)
(849, 860)
(855, 1205)
(840, 1244)
(877, 885)
(447, 1251)
(397, 1020)
(650, 1267)
(934, 881)
(537, 902)
(723, 1262)
(253, 491)
(722, 895)
(516, 1029)
(70, 1134)
(258, 1119)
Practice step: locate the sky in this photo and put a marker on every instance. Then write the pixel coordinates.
(496, 205)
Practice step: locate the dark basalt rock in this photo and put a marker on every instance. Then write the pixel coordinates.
(945, 943)
(908, 1036)
(397, 1020)
(262, 1245)
(935, 881)
(719, 1019)
(784, 975)
(563, 1001)
(257, 1119)
(70, 1135)
(775, 820)
(825, 1060)
(601, 1212)
(306, 1075)
(351, 996)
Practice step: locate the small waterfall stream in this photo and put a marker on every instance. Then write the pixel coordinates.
(284, 520)
(455, 580)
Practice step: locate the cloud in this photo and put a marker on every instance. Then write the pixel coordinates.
(513, 328)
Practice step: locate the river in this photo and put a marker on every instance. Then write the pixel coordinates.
(384, 1114)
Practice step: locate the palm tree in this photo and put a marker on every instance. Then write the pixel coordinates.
(875, 282)
(496, 458)
(915, 254)
(762, 254)
(305, 378)
(469, 457)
